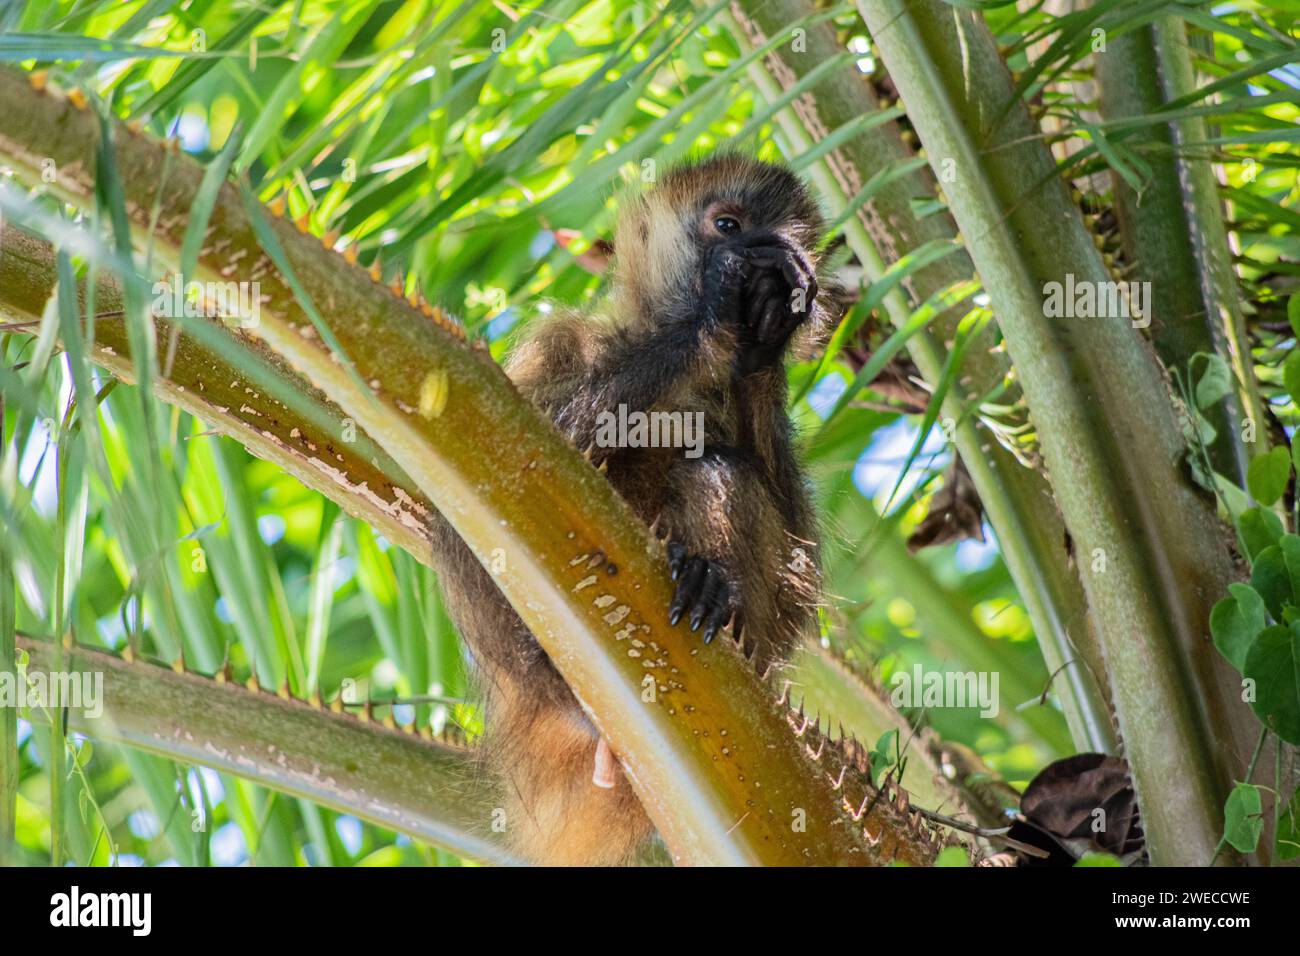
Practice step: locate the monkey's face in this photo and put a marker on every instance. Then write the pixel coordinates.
(668, 236)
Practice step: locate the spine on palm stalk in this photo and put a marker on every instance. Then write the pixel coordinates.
(714, 283)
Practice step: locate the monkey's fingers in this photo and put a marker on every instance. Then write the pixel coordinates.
(676, 559)
(773, 323)
(726, 274)
(688, 589)
(714, 584)
(766, 257)
(718, 617)
(791, 265)
(703, 590)
(807, 285)
(764, 289)
(799, 273)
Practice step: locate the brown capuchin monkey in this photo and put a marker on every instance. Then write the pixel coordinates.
(714, 285)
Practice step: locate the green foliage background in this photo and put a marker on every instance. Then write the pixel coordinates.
(453, 141)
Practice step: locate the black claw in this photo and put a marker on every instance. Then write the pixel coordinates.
(688, 589)
(676, 554)
(717, 617)
(702, 596)
(713, 590)
(676, 608)
(697, 615)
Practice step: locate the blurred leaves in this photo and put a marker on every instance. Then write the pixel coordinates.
(450, 141)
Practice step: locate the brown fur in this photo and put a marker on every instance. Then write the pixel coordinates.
(743, 503)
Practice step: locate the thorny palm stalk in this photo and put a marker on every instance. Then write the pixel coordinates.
(1151, 552)
(27, 274)
(720, 788)
(1174, 238)
(429, 789)
(882, 231)
(1174, 234)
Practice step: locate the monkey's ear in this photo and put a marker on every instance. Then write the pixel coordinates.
(595, 259)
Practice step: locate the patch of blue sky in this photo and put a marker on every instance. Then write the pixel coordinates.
(876, 471)
(823, 396)
(502, 324)
(38, 471)
(542, 244)
(143, 824)
(227, 846)
(270, 528)
(191, 128)
(350, 833)
(975, 555)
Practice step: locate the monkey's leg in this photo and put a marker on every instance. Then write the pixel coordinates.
(565, 799)
(539, 745)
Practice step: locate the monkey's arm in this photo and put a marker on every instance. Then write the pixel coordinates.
(750, 296)
(575, 371)
(737, 548)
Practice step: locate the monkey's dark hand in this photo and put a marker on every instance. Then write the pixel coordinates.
(777, 300)
(727, 272)
(703, 589)
(763, 286)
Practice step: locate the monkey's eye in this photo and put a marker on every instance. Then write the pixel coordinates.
(726, 225)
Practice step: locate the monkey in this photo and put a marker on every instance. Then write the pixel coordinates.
(714, 285)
